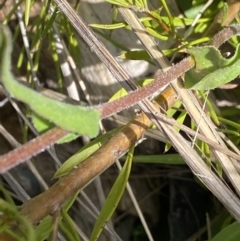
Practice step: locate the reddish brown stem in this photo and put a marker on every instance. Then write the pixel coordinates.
(31, 148)
(38, 144)
(161, 79)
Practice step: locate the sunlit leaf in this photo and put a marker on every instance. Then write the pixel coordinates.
(44, 229)
(168, 159)
(22, 224)
(113, 198)
(212, 69)
(122, 92)
(68, 224)
(84, 153)
(76, 119)
(109, 26)
(27, 11)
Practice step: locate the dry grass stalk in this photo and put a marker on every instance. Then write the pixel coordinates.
(216, 185)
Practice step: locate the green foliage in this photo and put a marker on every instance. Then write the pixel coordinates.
(84, 153)
(68, 227)
(167, 159)
(122, 92)
(27, 11)
(42, 125)
(114, 197)
(230, 233)
(211, 69)
(44, 229)
(10, 217)
(77, 119)
(192, 8)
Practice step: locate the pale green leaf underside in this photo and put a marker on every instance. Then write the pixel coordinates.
(42, 125)
(73, 118)
(212, 69)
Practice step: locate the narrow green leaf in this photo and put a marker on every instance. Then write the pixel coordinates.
(230, 132)
(42, 125)
(139, 4)
(76, 119)
(136, 55)
(44, 229)
(210, 107)
(168, 159)
(84, 153)
(6, 195)
(23, 225)
(69, 225)
(114, 197)
(65, 230)
(49, 23)
(27, 11)
(109, 26)
(171, 112)
(170, 17)
(143, 54)
(157, 34)
(230, 123)
(69, 202)
(181, 119)
(13, 11)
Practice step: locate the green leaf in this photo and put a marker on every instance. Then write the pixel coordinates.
(69, 202)
(68, 225)
(42, 125)
(157, 34)
(122, 92)
(136, 55)
(230, 233)
(27, 11)
(168, 159)
(174, 109)
(22, 225)
(212, 69)
(210, 108)
(76, 119)
(109, 26)
(84, 153)
(44, 229)
(114, 197)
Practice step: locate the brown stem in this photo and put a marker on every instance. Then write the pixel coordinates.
(160, 80)
(53, 198)
(38, 144)
(31, 148)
